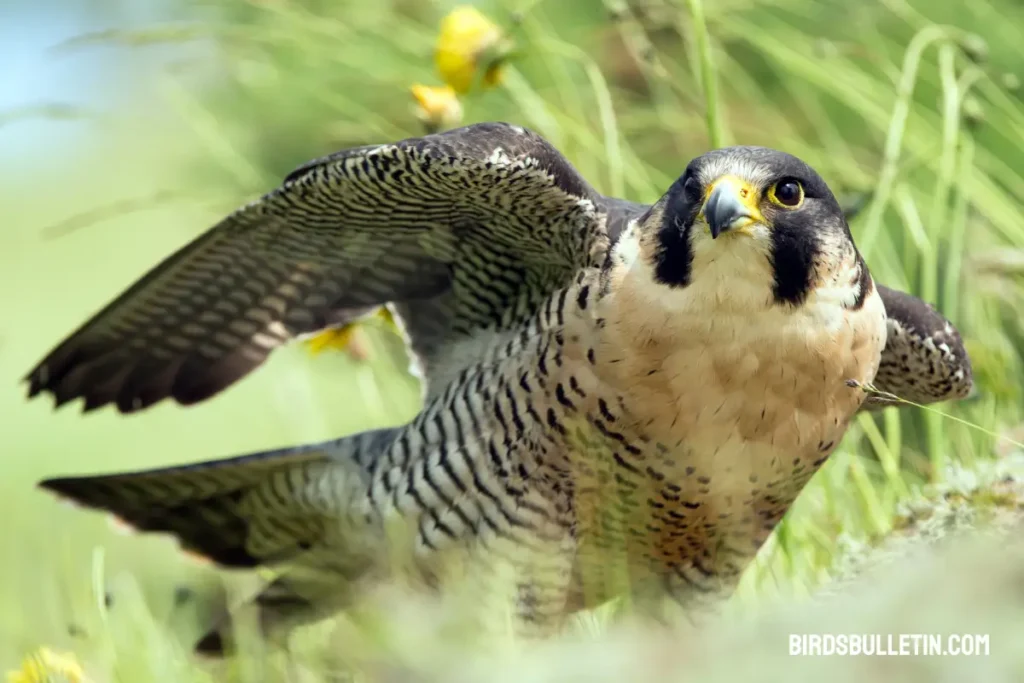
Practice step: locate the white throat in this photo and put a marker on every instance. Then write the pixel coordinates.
(730, 292)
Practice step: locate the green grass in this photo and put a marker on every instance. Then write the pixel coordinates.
(892, 101)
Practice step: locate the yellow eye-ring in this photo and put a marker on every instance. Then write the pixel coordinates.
(787, 193)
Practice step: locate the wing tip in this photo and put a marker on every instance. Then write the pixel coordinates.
(91, 402)
(54, 484)
(134, 379)
(126, 403)
(36, 380)
(42, 380)
(64, 488)
(69, 492)
(73, 492)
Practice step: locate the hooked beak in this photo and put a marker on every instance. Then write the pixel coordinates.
(731, 204)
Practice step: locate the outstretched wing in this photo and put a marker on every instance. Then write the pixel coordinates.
(467, 229)
(924, 360)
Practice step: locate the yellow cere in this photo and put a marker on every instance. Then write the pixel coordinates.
(747, 193)
(466, 37)
(743, 189)
(47, 666)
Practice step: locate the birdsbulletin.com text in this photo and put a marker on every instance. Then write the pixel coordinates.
(888, 644)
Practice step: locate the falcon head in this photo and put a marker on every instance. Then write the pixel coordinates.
(746, 227)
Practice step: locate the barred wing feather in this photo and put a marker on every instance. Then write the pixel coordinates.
(464, 230)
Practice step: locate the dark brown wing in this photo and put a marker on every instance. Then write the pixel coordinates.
(488, 218)
(924, 360)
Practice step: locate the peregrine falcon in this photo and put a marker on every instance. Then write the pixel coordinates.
(606, 384)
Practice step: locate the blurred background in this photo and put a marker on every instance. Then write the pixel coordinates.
(127, 127)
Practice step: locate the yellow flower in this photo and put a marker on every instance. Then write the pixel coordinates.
(384, 313)
(344, 338)
(467, 41)
(47, 666)
(438, 107)
(332, 338)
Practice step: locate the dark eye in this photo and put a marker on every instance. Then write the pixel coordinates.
(788, 193)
